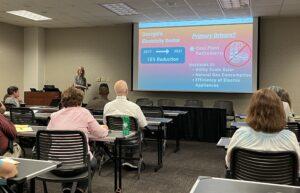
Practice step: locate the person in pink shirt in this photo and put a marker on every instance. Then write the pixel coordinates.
(75, 117)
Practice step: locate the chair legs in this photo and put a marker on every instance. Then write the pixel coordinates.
(6, 189)
(45, 187)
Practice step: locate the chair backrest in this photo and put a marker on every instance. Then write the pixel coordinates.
(153, 111)
(166, 102)
(8, 106)
(193, 103)
(116, 123)
(97, 112)
(144, 102)
(22, 116)
(262, 166)
(295, 128)
(66, 146)
(228, 105)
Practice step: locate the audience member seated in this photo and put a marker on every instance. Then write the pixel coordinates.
(98, 103)
(8, 134)
(265, 130)
(286, 105)
(7, 170)
(121, 106)
(75, 117)
(2, 108)
(13, 96)
(285, 97)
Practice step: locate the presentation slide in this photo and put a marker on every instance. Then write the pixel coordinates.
(196, 56)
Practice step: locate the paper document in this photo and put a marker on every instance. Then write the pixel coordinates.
(23, 128)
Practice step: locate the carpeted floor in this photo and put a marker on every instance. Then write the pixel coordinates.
(178, 175)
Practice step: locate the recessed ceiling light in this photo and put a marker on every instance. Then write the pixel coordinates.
(29, 15)
(120, 9)
(234, 4)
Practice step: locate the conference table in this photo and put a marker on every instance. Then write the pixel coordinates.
(113, 137)
(220, 185)
(44, 112)
(201, 124)
(28, 170)
(178, 117)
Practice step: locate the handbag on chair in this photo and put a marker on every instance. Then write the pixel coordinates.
(14, 150)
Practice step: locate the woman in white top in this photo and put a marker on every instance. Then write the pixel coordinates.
(286, 101)
(265, 130)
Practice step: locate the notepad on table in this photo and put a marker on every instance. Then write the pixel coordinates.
(23, 128)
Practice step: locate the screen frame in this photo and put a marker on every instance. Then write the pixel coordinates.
(255, 63)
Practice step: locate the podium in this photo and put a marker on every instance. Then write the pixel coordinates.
(40, 98)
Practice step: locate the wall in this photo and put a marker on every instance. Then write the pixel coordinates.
(103, 51)
(280, 56)
(11, 57)
(106, 51)
(34, 58)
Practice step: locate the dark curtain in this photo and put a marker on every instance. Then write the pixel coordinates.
(200, 124)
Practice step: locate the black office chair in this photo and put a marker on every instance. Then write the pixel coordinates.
(144, 102)
(166, 103)
(68, 147)
(22, 116)
(153, 111)
(130, 145)
(227, 105)
(151, 131)
(95, 112)
(295, 128)
(6, 189)
(230, 115)
(264, 166)
(193, 103)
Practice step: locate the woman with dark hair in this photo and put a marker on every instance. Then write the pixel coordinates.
(13, 96)
(75, 117)
(265, 130)
(286, 101)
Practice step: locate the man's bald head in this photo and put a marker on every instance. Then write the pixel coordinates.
(121, 88)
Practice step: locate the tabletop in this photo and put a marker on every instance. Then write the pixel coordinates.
(152, 121)
(30, 168)
(241, 116)
(221, 185)
(238, 124)
(174, 113)
(112, 135)
(224, 142)
(44, 112)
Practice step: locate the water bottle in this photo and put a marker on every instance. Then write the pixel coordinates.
(126, 125)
